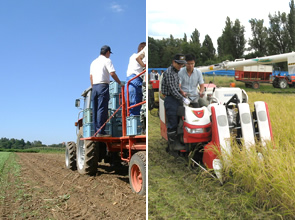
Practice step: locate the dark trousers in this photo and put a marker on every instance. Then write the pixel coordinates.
(100, 100)
(171, 107)
(135, 94)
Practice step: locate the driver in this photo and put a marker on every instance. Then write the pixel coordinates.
(173, 99)
(189, 79)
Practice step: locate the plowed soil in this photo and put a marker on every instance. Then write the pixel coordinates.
(50, 191)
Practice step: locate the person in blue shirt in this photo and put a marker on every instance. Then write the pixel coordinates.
(189, 79)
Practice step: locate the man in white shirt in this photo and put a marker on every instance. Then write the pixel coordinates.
(135, 86)
(100, 71)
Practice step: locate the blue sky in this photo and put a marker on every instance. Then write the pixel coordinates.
(46, 48)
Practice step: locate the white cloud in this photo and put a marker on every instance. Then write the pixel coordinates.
(116, 7)
(167, 17)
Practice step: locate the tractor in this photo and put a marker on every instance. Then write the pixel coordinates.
(126, 144)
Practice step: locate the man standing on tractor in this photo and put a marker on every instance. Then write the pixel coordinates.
(135, 86)
(189, 79)
(173, 99)
(100, 71)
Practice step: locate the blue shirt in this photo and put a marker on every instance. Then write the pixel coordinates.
(189, 84)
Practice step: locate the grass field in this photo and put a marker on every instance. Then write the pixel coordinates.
(254, 190)
(225, 81)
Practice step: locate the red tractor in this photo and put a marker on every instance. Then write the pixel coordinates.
(283, 79)
(125, 144)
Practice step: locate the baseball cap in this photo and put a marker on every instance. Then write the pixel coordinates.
(105, 49)
(179, 58)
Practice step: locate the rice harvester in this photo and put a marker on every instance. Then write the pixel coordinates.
(203, 130)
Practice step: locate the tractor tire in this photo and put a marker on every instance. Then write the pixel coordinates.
(255, 85)
(87, 160)
(283, 83)
(275, 83)
(137, 173)
(70, 156)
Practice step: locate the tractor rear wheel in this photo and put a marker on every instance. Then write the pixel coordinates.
(275, 82)
(71, 156)
(87, 160)
(137, 172)
(283, 83)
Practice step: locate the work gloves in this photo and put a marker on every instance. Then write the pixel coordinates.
(186, 101)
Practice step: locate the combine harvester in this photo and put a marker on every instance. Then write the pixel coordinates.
(127, 141)
(202, 130)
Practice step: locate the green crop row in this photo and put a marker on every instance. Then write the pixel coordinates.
(3, 158)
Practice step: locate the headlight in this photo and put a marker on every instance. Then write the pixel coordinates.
(194, 131)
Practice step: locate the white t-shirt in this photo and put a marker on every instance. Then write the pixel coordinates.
(100, 69)
(142, 53)
(134, 67)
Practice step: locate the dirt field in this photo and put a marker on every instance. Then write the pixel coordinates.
(48, 190)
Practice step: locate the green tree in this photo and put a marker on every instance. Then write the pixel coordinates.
(185, 38)
(207, 51)
(258, 43)
(155, 51)
(291, 26)
(195, 45)
(239, 39)
(19, 144)
(232, 42)
(278, 34)
(225, 40)
(172, 46)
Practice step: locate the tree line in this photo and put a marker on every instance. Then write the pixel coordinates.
(278, 38)
(12, 143)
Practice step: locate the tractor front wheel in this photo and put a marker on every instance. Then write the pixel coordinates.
(71, 156)
(283, 83)
(137, 172)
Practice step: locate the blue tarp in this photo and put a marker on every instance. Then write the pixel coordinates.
(220, 72)
(216, 72)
